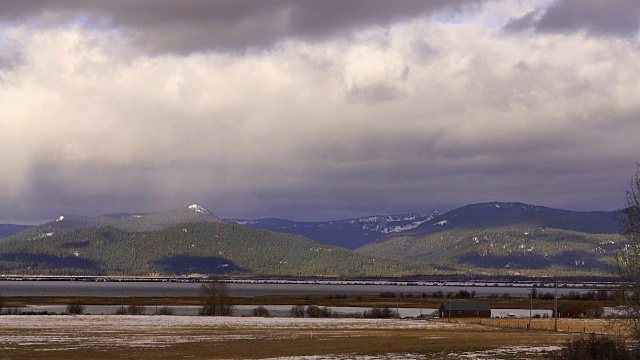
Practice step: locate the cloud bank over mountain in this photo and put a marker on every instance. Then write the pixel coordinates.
(315, 110)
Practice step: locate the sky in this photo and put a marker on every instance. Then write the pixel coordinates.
(315, 110)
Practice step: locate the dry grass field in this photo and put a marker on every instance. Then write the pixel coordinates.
(193, 337)
(597, 326)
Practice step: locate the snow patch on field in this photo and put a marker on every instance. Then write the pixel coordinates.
(55, 332)
(105, 322)
(519, 352)
(507, 351)
(103, 332)
(354, 357)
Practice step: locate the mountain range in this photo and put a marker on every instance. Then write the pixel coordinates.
(349, 233)
(185, 241)
(509, 236)
(123, 221)
(493, 238)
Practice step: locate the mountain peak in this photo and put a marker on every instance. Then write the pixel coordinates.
(434, 214)
(199, 209)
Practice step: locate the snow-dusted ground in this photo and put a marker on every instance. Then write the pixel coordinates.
(125, 322)
(55, 332)
(506, 351)
(355, 357)
(103, 332)
(512, 352)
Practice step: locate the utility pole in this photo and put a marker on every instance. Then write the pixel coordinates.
(555, 310)
(449, 309)
(530, 307)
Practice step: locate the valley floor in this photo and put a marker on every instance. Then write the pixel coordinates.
(175, 337)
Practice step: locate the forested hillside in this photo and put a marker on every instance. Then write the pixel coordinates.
(348, 233)
(205, 248)
(496, 238)
(516, 248)
(123, 221)
(499, 214)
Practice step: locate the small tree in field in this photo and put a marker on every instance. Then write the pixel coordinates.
(297, 311)
(629, 258)
(75, 309)
(165, 310)
(136, 310)
(314, 311)
(215, 298)
(260, 311)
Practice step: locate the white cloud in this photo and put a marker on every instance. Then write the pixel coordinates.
(423, 107)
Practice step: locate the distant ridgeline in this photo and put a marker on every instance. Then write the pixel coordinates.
(11, 229)
(490, 238)
(350, 233)
(512, 237)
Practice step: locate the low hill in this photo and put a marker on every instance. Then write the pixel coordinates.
(497, 214)
(349, 233)
(123, 221)
(205, 248)
(509, 237)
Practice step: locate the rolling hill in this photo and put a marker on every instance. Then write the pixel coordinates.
(205, 248)
(510, 237)
(495, 238)
(497, 214)
(123, 221)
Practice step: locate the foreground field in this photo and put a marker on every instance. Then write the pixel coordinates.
(171, 337)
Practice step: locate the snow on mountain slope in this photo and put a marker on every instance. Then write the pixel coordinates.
(349, 233)
(124, 221)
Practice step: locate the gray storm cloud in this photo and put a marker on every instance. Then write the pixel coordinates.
(406, 108)
(161, 26)
(618, 17)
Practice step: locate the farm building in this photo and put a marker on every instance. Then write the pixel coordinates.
(580, 310)
(569, 310)
(460, 309)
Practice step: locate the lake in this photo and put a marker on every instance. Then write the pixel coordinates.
(254, 288)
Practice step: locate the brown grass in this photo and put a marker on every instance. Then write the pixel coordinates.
(597, 326)
(254, 343)
(250, 343)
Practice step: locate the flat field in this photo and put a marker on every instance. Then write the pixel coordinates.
(194, 337)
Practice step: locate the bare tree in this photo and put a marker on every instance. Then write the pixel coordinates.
(136, 309)
(297, 311)
(629, 258)
(215, 298)
(75, 309)
(314, 311)
(260, 311)
(165, 310)
(3, 302)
